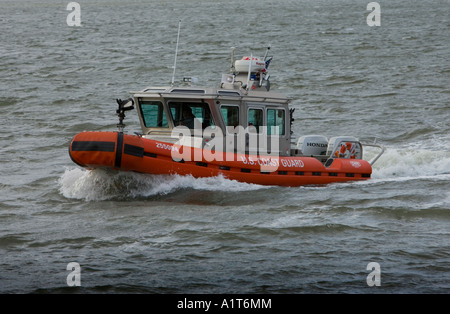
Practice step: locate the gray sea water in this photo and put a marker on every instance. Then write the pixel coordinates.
(134, 233)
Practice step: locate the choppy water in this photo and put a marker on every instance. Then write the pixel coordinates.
(159, 234)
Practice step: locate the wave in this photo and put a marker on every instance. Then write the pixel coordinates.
(98, 184)
(412, 163)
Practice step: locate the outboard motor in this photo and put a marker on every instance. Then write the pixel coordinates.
(312, 145)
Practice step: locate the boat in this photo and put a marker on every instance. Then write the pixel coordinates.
(239, 129)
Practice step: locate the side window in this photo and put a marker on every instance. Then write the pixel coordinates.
(230, 115)
(276, 118)
(153, 114)
(255, 119)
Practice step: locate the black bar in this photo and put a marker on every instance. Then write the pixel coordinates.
(147, 154)
(91, 146)
(118, 160)
(133, 150)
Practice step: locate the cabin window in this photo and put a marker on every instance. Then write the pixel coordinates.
(153, 114)
(276, 118)
(255, 120)
(230, 115)
(189, 114)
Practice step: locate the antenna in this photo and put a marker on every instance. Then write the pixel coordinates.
(267, 51)
(249, 70)
(176, 53)
(232, 60)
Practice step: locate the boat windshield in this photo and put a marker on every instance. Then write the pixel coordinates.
(255, 119)
(187, 113)
(230, 114)
(153, 114)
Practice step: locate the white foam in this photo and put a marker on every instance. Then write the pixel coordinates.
(97, 185)
(412, 163)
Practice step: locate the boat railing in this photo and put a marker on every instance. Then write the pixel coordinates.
(382, 150)
(216, 96)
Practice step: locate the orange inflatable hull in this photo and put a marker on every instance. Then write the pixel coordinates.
(133, 153)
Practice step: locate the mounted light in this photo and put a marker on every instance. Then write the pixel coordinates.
(124, 105)
(227, 78)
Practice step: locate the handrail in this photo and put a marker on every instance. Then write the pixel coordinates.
(216, 96)
(383, 149)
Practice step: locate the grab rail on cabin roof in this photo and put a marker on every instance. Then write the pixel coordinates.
(215, 96)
